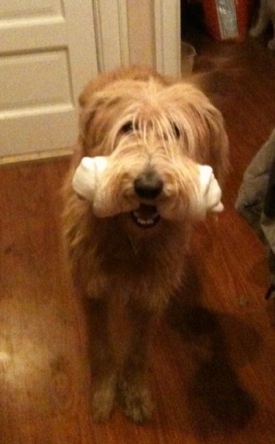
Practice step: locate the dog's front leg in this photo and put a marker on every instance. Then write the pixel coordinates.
(133, 394)
(104, 367)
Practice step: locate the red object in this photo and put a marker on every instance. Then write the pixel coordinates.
(227, 19)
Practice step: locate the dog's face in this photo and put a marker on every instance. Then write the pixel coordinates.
(154, 134)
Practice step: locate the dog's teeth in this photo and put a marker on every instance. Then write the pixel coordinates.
(145, 217)
(145, 222)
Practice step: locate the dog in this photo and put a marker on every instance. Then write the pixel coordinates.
(266, 15)
(129, 264)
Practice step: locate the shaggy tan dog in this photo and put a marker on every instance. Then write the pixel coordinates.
(129, 264)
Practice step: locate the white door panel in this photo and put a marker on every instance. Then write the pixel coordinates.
(47, 54)
(11, 9)
(46, 68)
(34, 34)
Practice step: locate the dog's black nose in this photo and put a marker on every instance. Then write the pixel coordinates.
(148, 185)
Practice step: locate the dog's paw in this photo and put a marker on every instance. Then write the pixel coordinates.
(135, 402)
(103, 400)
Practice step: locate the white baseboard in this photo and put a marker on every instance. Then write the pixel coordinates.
(36, 156)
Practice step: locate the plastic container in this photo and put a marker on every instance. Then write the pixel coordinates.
(227, 19)
(188, 54)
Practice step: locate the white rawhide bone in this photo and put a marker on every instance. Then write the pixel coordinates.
(87, 178)
(210, 195)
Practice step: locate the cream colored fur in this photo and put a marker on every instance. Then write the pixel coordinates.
(156, 130)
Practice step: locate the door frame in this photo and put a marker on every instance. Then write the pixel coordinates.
(111, 28)
(167, 36)
(111, 33)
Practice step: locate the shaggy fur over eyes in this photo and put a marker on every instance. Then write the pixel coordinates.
(156, 130)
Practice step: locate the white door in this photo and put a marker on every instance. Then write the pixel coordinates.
(47, 54)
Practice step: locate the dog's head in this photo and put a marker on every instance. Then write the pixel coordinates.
(156, 135)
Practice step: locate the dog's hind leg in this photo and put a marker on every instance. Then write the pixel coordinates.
(104, 369)
(133, 394)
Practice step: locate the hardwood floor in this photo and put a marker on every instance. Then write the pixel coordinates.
(212, 366)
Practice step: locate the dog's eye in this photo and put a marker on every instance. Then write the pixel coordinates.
(128, 127)
(176, 130)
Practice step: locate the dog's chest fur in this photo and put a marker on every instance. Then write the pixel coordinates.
(126, 267)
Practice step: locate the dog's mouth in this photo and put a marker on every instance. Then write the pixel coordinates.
(146, 216)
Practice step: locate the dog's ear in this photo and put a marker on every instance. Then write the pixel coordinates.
(89, 103)
(81, 147)
(89, 134)
(213, 139)
(202, 128)
(99, 109)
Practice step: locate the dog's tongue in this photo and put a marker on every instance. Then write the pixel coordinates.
(146, 211)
